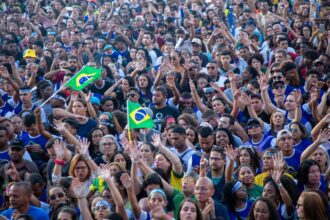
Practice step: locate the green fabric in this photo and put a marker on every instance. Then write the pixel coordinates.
(178, 198)
(84, 77)
(138, 117)
(254, 192)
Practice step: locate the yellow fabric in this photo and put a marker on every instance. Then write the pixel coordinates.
(259, 179)
(98, 184)
(176, 180)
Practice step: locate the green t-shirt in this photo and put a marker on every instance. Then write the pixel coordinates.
(255, 192)
(178, 198)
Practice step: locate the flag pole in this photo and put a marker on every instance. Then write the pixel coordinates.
(128, 127)
(54, 94)
(59, 89)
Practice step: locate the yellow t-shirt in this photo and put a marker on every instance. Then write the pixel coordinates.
(176, 180)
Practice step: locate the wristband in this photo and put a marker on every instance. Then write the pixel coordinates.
(59, 162)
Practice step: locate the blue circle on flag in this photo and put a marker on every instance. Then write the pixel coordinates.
(83, 79)
(140, 115)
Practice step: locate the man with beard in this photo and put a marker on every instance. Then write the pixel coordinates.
(206, 140)
(216, 173)
(160, 108)
(19, 199)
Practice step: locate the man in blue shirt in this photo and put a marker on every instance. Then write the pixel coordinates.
(19, 199)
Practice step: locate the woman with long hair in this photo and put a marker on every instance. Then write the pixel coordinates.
(311, 207)
(189, 210)
(94, 138)
(263, 209)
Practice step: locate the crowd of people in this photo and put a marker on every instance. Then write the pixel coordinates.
(239, 93)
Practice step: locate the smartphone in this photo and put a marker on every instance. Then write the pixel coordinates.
(322, 28)
(208, 90)
(69, 8)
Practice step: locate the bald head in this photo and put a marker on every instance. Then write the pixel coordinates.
(204, 189)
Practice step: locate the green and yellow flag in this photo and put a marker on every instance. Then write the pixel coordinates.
(84, 77)
(138, 117)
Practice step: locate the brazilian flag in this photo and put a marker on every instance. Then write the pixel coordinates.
(138, 117)
(84, 77)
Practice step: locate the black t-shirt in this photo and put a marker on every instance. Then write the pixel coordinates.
(94, 89)
(160, 114)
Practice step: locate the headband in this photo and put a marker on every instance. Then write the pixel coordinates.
(102, 203)
(107, 123)
(25, 90)
(160, 191)
(236, 187)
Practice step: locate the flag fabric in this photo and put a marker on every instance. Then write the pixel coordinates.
(84, 77)
(231, 21)
(138, 117)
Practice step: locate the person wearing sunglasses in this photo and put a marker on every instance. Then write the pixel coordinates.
(133, 95)
(57, 197)
(299, 134)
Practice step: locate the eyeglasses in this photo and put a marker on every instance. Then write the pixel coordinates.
(252, 126)
(210, 67)
(108, 144)
(293, 130)
(54, 196)
(172, 58)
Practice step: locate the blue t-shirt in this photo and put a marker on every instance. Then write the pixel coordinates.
(293, 162)
(242, 213)
(84, 129)
(304, 143)
(34, 212)
(263, 144)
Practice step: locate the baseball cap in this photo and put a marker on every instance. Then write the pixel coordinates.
(283, 133)
(197, 41)
(29, 54)
(317, 61)
(107, 47)
(16, 143)
(252, 121)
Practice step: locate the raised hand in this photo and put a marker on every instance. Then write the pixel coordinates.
(59, 149)
(209, 210)
(297, 96)
(279, 161)
(157, 212)
(4, 72)
(156, 140)
(262, 79)
(77, 188)
(59, 125)
(13, 173)
(324, 136)
(245, 98)
(37, 112)
(74, 95)
(230, 152)
(104, 171)
(203, 164)
(231, 76)
(126, 180)
(84, 144)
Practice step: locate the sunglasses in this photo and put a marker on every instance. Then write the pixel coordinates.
(58, 195)
(279, 87)
(277, 77)
(131, 95)
(211, 67)
(103, 207)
